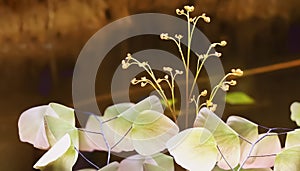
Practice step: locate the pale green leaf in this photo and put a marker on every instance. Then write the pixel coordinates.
(152, 129)
(114, 166)
(164, 161)
(133, 163)
(64, 112)
(151, 167)
(239, 98)
(31, 127)
(194, 148)
(295, 112)
(113, 130)
(235, 169)
(147, 163)
(149, 103)
(116, 110)
(293, 139)
(268, 145)
(247, 130)
(226, 138)
(136, 163)
(85, 142)
(58, 128)
(133, 127)
(87, 169)
(62, 156)
(288, 159)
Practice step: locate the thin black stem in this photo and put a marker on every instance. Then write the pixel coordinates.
(104, 138)
(122, 138)
(86, 159)
(265, 155)
(241, 137)
(84, 130)
(252, 148)
(109, 119)
(224, 158)
(275, 129)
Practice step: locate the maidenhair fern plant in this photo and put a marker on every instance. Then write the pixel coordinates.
(211, 144)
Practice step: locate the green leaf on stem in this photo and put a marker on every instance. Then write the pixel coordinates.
(158, 162)
(248, 131)
(292, 139)
(256, 169)
(62, 156)
(288, 159)
(194, 148)
(134, 127)
(226, 138)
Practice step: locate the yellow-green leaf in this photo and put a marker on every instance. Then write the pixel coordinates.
(58, 128)
(295, 112)
(194, 148)
(239, 98)
(149, 103)
(62, 156)
(114, 166)
(226, 138)
(164, 161)
(288, 159)
(293, 139)
(152, 129)
(247, 130)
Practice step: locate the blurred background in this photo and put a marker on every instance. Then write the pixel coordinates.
(40, 41)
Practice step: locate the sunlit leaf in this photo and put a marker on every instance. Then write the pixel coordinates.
(85, 143)
(194, 148)
(133, 163)
(58, 128)
(133, 127)
(164, 161)
(114, 130)
(149, 103)
(256, 169)
(226, 138)
(293, 139)
(150, 167)
(249, 133)
(239, 98)
(112, 136)
(267, 146)
(65, 113)
(152, 129)
(62, 156)
(247, 130)
(114, 166)
(116, 110)
(32, 128)
(147, 163)
(88, 169)
(295, 112)
(288, 159)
